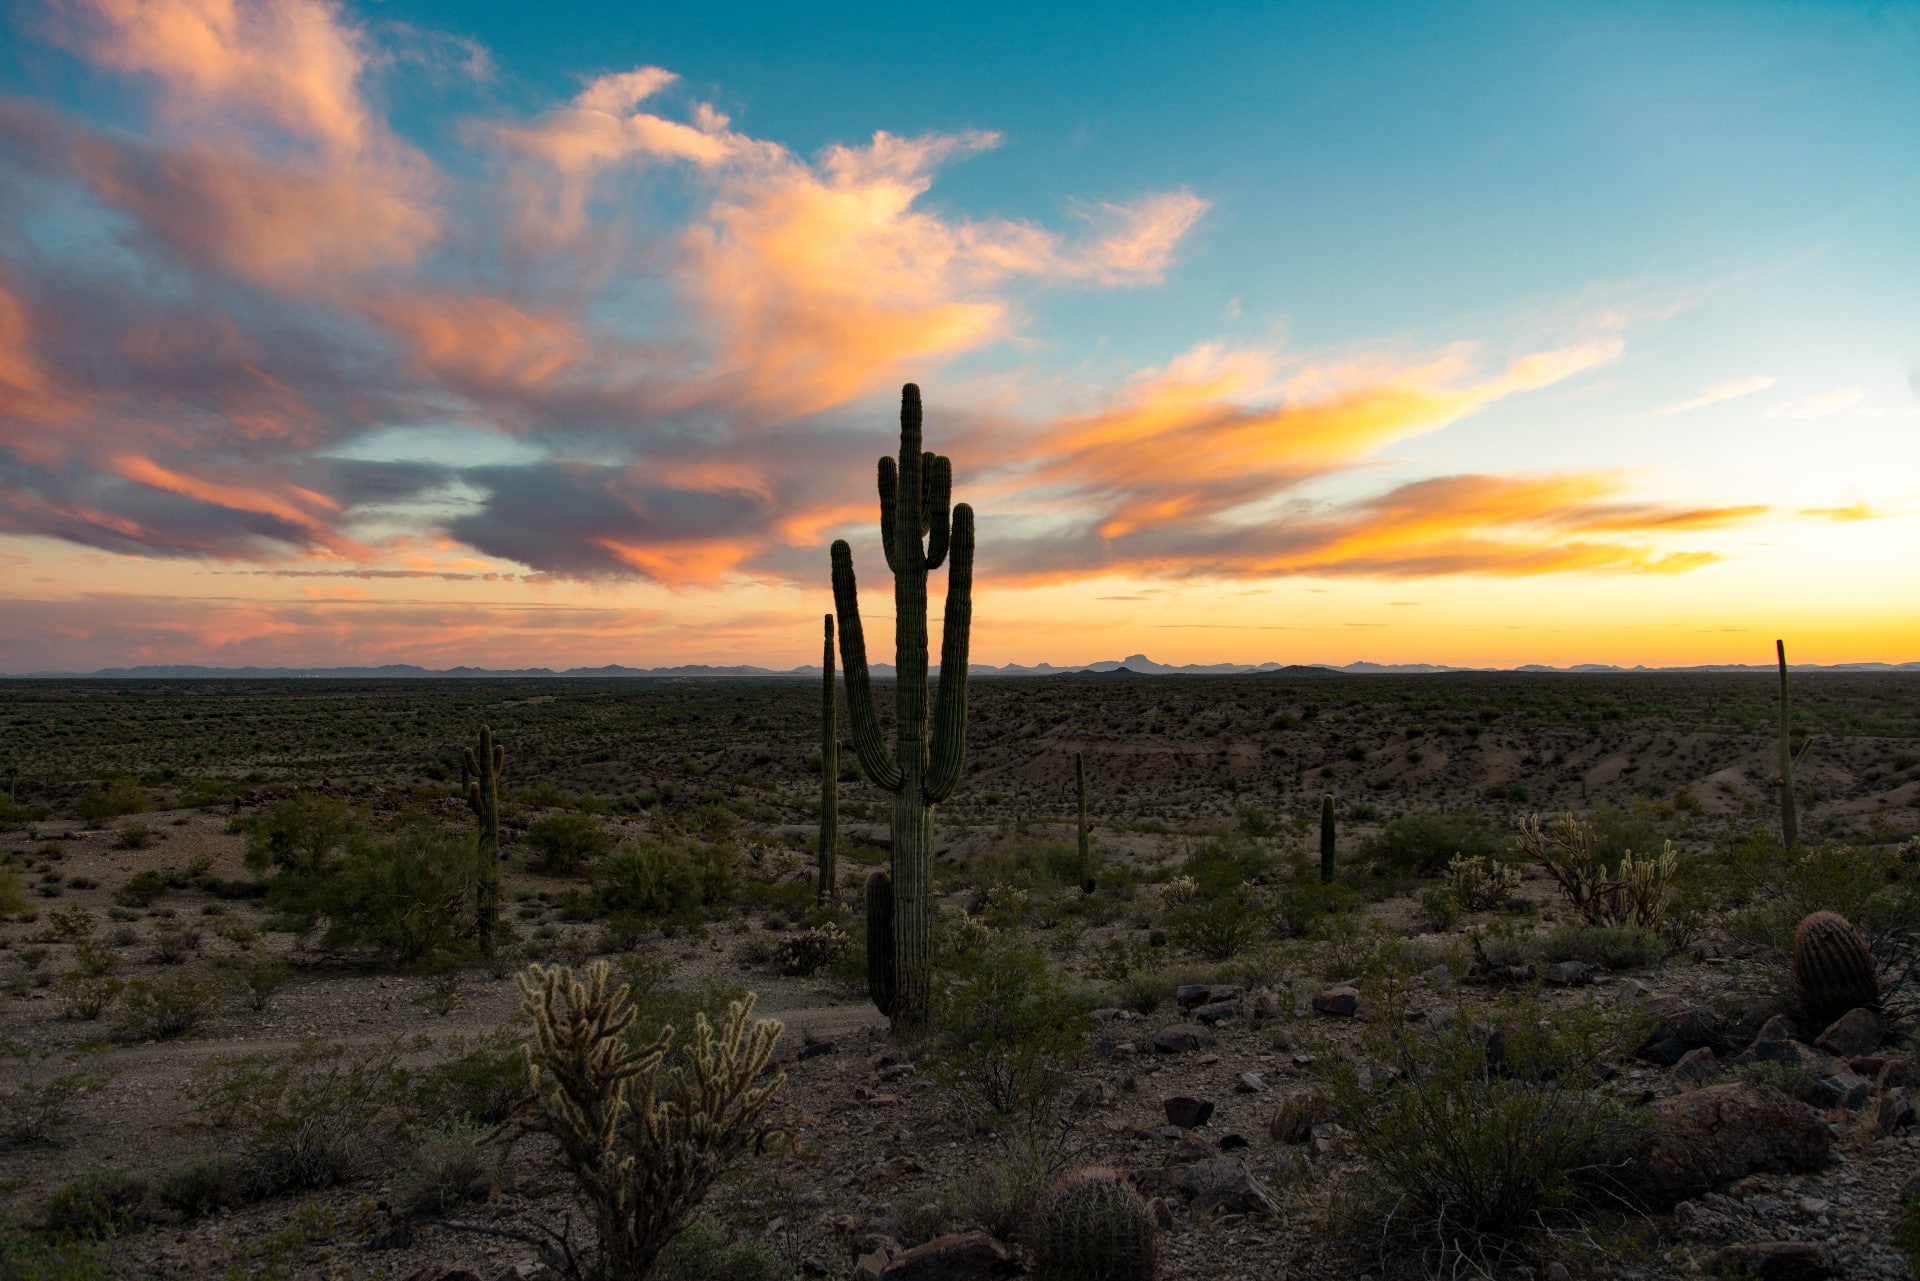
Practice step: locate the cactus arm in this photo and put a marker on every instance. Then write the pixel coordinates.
(937, 515)
(889, 506)
(950, 711)
(867, 741)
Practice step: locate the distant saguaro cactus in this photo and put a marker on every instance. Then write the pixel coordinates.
(915, 496)
(1092, 1226)
(1789, 760)
(880, 941)
(1328, 840)
(482, 770)
(1086, 841)
(829, 771)
(1833, 967)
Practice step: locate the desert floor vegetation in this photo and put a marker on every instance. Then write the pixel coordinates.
(248, 1028)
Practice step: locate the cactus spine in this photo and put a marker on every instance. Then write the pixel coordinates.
(482, 770)
(1789, 815)
(915, 496)
(1086, 842)
(1092, 1226)
(880, 941)
(1833, 967)
(829, 771)
(1327, 839)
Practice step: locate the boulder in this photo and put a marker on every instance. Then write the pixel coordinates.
(1855, 1032)
(1571, 974)
(1178, 1038)
(1707, 1138)
(1696, 1065)
(1189, 995)
(1186, 1111)
(1218, 1185)
(1796, 1053)
(1895, 1112)
(960, 1256)
(1841, 1090)
(1678, 1029)
(1214, 1013)
(1778, 1028)
(1342, 1001)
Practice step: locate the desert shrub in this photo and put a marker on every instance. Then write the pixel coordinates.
(563, 842)
(1009, 1032)
(262, 977)
(13, 891)
(1000, 1197)
(95, 1207)
(1618, 947)
(1479, 883)
(1303, 905)
(67, 925)
(1216, 929)
(408, 895)
(479, 1081)
(165, 1008)
(1422, 844)
(1634, 890)
(91, 985)
(665, 877)
(300, 834)
(1790, 1079)
(33, 1107)
(448, 1165)
(200, 1188)
(1439, 909)
(14, 814)
(703, 1253)
(643, 1142)
(310, 1117)
(1471, 1142)
(141, 889)
(172, 943)
(29, 1255)
(1222, 864)
(113, 798)
(134, 836)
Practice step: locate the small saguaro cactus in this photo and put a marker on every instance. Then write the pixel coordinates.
(1328, 841)
(829, 771)
(918, 532)
(482, 770)
(1789, 760)
(880, 941)
(1092, 1226)
(1833, 968)
(1086, 841)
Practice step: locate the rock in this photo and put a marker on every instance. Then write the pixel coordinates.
(1233, 1142)
(1709, 1137)
(817, 1050)
(1679, 1027)
(1224, 1185)
(1895, 1112)
(1106, 1015)
(1214, 1013)
(1773, 1261)
(1855, 1032)
(1326, 1140)
(1186, 1111)
(1342, 1001)
(1796, 1053)
(1178, 1038)
(1898, 1070)
(870, 1266)
(960, 1256)
(1697, 1065)
(1189, 995)
(1841, 1090)
(1162, 1213)
(1251, 1083)
(1571, 974)
(1778, 1028)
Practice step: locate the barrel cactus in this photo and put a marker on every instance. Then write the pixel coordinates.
(1833, 967)
(1092, 1226)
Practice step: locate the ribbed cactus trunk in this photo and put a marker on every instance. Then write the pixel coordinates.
(1328, 839)
(915, 495)
(829, 772)
(1789, 815)
(482, 770)
(1086, 842)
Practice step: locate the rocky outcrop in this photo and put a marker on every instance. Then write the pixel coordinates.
(1706, 1139)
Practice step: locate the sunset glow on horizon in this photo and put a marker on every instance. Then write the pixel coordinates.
(408, 332)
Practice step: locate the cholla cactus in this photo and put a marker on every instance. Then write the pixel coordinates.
(643, 1131)
(1479, 883)
(1092, 1226)
(811, 951)
(1633, 894)
(1181, 889)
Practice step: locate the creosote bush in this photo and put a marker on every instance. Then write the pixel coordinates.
(1009, 1030)
(564, 842)
(1422, 844)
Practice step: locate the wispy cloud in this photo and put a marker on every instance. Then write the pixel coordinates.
(1717, 392)
(1832, 402)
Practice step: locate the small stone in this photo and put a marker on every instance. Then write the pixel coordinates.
(1190, 995)
(895, 1071)
(1214, 1013)
(1778, 1028)
(1302, 1060)
(1251, 1083)
(1773, 1261)
(817, 1050)
(1570, 974)
(1696, 1065)
(1855, 1032)
(1186, 1111)
(1341, 1001)
(1178, 1038)
(1232, 1142)
(1557, 1271)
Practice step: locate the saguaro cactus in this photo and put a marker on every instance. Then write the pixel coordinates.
(829, 770)
(1789, 759)
(1328, 840)
(880, 941)
(482, 769)
(915, 496)
(1086, 843)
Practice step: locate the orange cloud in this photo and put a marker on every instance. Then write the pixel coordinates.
(29, 397)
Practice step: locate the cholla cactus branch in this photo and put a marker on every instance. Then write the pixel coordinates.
(644, 1132)
(1633, 894)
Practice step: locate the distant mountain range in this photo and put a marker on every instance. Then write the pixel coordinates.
(1132, 665)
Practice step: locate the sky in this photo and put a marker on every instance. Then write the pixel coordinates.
(508, 335)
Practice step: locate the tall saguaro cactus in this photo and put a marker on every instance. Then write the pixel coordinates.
(1086, 842)
(915, 505)
(1328, 841)
(482, 769)
(829, 770)
(1789, 813)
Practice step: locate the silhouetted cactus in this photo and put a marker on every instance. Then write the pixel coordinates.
(829, 771)
(915, 496)
(1328, 841)
(1833, 966)
(1789, 759)
(1092, 1226)
(1086, 840)
(482, 770)
(880, 941)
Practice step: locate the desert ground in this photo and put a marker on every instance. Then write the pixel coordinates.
(209, 1076)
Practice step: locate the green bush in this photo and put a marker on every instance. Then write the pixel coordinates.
(1009, 1031)
(165, 1008)
(95, 1207)
(447, 1167)
(33, 1107)
(13, 891)
(1423, 844)
(133, 836)
(409, 895)
(563, 842)
(1218, 928)
(198, 1189)
(301, 834)
(1618, 947)
(652, 877)
(703, 1253)
(114, 798)
(141, 890)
